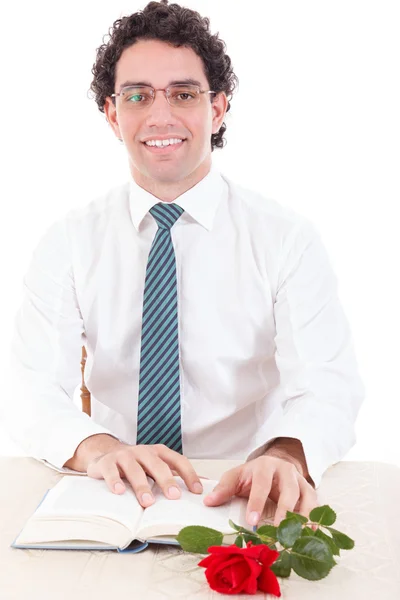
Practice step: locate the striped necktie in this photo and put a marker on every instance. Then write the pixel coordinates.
(159, 405)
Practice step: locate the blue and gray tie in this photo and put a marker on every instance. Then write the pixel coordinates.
(159, 403)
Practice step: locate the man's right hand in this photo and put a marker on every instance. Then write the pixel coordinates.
(135, 462)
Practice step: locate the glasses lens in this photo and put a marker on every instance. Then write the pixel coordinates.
(136, 97)
(184, 95)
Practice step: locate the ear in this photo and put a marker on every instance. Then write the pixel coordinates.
(219, 106)
(112, 117)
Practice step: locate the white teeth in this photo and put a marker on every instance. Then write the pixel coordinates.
(163, 142)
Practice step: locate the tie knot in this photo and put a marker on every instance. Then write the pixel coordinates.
(166, 214)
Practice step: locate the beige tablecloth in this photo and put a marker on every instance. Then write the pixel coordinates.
(365, 495)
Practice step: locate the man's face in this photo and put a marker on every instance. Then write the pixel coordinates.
(158, 64)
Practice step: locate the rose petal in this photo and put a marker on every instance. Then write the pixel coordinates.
(268, 583)
(205, 562)
(254, 566)
(239, 575)
(219, 576)
(220, 563)
(230, 569)
(253, 551)
(255, 570)
(232, 549)
(268, 556)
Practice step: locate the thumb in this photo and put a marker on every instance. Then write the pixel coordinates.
(222, 492)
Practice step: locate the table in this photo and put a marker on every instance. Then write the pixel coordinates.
(365, 495)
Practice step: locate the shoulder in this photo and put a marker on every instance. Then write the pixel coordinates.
(268, 215)
(101, 207)
(84, 225)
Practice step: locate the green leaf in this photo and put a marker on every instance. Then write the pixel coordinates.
(307, 531)
(341, 540)
(268, 534)
(273, 547)
(323, 515)
(196, 538)
(296, 516)
(239, 542)
(311, 558)
(282, 567)
(233, 525)
(288, 532)
(268, 531)
(322, 536)
(240, 529)
(252, 538)
(249, 536)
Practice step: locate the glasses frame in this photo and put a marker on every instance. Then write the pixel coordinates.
(167, 92)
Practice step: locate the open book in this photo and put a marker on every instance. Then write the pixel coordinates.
(81, 513)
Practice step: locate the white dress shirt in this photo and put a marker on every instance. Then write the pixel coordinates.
(265, 349)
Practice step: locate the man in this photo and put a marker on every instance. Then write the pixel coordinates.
(209, 313)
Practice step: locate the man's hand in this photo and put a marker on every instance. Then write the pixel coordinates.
(263, 477)
(134, 462)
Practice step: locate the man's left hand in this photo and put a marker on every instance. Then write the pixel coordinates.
(263, 477)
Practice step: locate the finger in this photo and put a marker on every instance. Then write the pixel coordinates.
(225, 489)
(111, 472)
(137, 478)
(308, 498)
(289, 492)
(158, 470)
(199, 476)
(104, 468)
(181, 466)
(259, 492)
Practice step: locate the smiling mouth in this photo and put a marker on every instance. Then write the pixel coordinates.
(164, 149)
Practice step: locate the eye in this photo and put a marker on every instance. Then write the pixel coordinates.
(135, 96)
(189, 96)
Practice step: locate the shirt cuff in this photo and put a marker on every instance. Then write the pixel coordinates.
(317, 457)
(64, 443)
(64, 470)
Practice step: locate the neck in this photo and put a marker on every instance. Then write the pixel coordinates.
(168, 191)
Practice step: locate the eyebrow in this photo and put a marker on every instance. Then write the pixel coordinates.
(175, 82)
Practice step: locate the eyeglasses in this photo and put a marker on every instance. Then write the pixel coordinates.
(182, 96)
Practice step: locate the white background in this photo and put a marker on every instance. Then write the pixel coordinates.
(314, 124)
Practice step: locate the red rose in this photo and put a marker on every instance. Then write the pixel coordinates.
(231, 570)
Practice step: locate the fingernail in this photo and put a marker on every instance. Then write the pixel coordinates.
(198, 488)
(118, 487)
(173, 492)
(254, 517)
(146, 498)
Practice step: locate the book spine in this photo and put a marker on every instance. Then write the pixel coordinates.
(134, 547)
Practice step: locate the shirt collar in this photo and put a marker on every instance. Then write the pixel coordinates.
(200, 202)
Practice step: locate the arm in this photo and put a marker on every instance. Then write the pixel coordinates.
(314, 355)
(45, 357)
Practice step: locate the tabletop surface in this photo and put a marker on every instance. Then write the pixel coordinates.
(365, 496)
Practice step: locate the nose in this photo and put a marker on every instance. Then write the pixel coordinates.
(160, 94)
(160, 112)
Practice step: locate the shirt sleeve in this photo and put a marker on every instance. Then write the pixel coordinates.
(318, 371)
(46, 348)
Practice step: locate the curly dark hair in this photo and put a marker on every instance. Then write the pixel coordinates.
(178, 26)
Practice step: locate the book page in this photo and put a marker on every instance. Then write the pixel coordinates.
(85, 497)
(168, 517)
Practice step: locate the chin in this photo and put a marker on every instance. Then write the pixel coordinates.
(167, 172)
